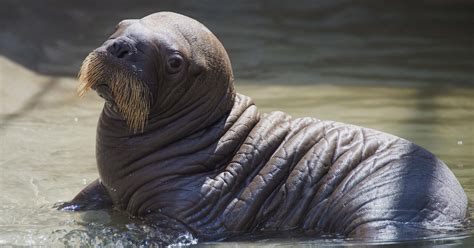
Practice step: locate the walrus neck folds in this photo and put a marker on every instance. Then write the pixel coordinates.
(115, 139)
(199, 130)
(131, 95)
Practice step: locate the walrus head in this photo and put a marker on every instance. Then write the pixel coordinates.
(157, 67)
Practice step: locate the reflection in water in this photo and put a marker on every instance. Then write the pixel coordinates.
(400, 67)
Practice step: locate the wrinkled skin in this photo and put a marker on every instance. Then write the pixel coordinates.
(209, 160)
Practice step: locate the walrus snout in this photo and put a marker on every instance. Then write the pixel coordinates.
(119, 49)
(118, 84)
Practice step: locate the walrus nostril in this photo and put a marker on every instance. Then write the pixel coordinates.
(122, 54)
(119, 49)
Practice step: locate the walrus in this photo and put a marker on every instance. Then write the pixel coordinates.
(176, 140)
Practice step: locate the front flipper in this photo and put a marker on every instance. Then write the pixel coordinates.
(92, 197)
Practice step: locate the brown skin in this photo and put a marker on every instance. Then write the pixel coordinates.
(208, 160)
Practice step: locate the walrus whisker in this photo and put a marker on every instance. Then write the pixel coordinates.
(131, 94)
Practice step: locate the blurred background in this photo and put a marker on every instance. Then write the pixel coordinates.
(403, 67)
(332, 41)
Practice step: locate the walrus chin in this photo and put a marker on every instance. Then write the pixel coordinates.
(131, 95)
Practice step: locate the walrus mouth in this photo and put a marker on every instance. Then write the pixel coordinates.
(130, 94)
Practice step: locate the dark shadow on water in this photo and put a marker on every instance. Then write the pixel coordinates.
(29, 105)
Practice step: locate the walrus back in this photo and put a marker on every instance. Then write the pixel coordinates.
(312, 175)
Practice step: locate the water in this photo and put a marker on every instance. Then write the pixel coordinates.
(402, 68)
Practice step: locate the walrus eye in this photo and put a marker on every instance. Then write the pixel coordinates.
(175, 63)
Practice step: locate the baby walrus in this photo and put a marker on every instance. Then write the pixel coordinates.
(175, 141)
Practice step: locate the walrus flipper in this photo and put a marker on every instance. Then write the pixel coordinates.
(92, 197)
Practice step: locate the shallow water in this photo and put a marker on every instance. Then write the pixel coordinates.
(401, 68)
